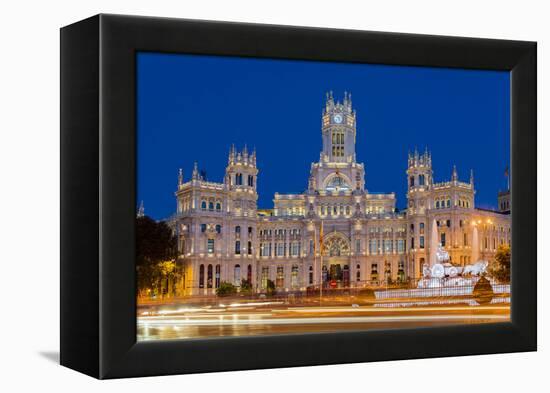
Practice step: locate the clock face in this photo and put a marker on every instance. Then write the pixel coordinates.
(337, 118)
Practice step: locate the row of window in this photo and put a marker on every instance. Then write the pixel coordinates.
(217, 206)
(335, 210)
(445, 203)
(239, 180)
(213, 275)
(505, 205)
(217, 228)
(238, 248)
(280, 232)
(328, 274)
(238, 229)
(443, 241)
(421, 180)
(280, 277)
(386, 246)
(441, 204)
(386, 230)
(338, 151)
(375, 246)
(280, 249)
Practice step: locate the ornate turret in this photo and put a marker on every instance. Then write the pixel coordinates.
(419, 171)
(241, 171)
(338, 130)
(195, 175)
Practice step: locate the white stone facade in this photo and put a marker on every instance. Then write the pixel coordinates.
(223, 237)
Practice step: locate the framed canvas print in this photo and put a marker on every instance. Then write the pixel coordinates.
(239, 196)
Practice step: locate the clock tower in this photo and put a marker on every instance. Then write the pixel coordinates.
(338, 130)
(337, 170)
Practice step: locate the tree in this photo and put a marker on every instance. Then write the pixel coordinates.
(246, 287)
(500, 269)
(156, 253)
(226, 289)
(270, 288)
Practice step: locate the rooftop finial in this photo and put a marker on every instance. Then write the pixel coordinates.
(454, 176)
(195, 175)
(231, 157)
(253, 156)
(471, 177)
(507, 175)
(141, 209)
(180, 177)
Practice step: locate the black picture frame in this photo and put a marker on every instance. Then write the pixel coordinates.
(98, 188)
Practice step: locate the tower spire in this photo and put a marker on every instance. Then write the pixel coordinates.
(180, 177)
(507, 175)
(231, 157)
(454, 176)
(195, 175)
(472, 177)
(141, 209)
(253, 156)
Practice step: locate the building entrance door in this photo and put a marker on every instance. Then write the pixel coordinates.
(338, 275)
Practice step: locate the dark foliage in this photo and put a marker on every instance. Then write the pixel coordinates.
(155, 244)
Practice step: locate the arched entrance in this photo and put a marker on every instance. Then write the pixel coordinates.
(336, 251)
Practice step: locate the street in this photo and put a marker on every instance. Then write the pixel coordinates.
(276, 317)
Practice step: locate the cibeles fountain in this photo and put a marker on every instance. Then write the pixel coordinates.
(441, 273)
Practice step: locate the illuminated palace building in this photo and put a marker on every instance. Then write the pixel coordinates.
(336, 232)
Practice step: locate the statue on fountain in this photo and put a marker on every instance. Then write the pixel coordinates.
(443, 273)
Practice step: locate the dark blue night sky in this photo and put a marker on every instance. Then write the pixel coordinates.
(192, 108)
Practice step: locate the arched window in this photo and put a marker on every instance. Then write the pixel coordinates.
(338, 183)
(210, 205)
(238, 247)
(209, 281)
(294, 277)
(437, 204)
(218, 206)
(280, 278)
(201, 276)
(238, 229)
(237, 275)
(411, 181)
(218, 228)
(448, 203)
(239, 179)
(218, 270)
(203, 205)
(250, 181)
(249, 273)
(421, 180)
(336, 246)
(249, 248)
